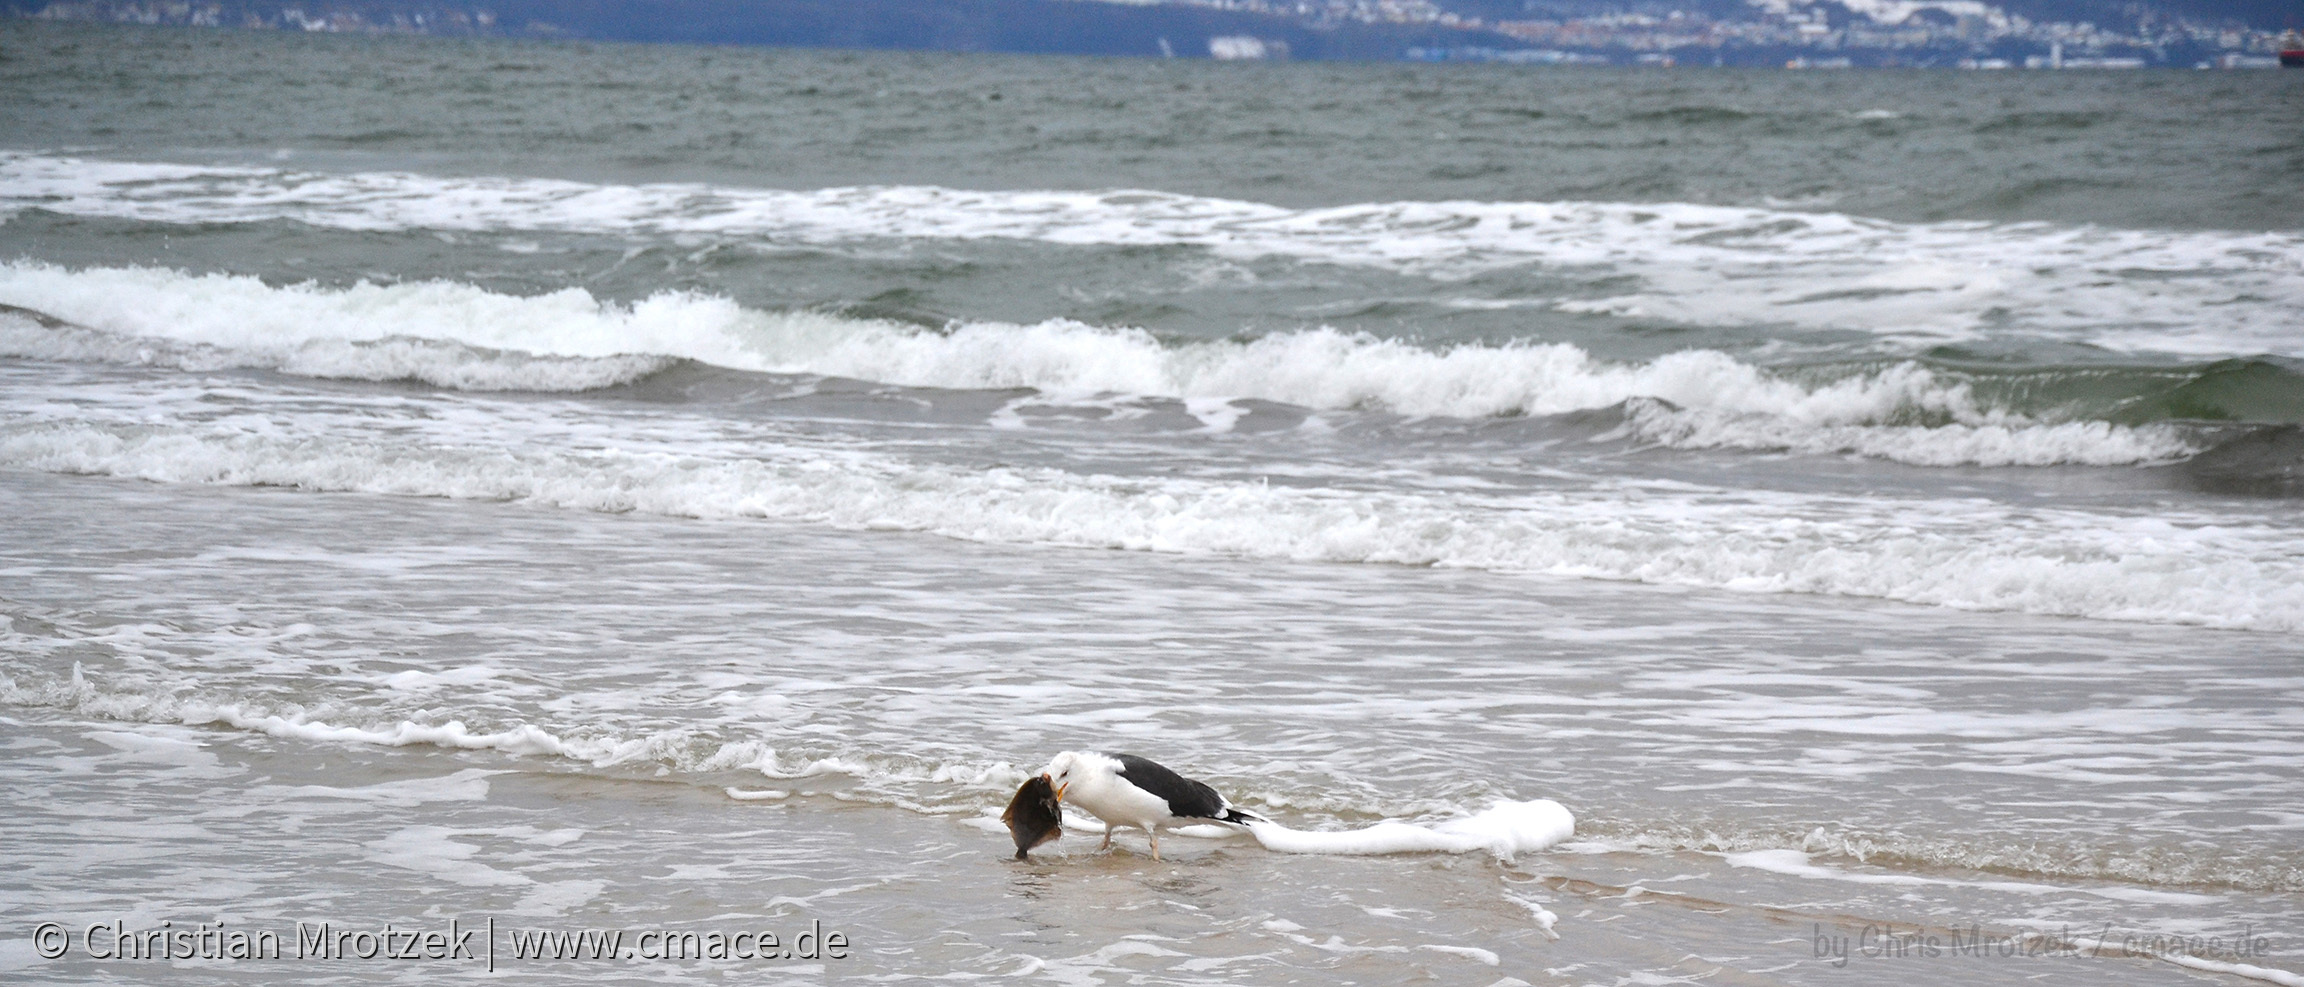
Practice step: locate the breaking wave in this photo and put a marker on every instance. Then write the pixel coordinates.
(440, 363)
(2199, 293)
(1972, 554)
(460, 336)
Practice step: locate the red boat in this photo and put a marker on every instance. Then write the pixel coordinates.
(2292, 58)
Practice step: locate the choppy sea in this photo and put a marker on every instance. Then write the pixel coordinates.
(681, 489)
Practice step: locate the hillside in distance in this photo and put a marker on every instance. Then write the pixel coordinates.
(2264, 15)
(1794, 33)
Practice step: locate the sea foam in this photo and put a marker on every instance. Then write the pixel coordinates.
(2136, 290)
(925, 784)
(1959, 552)
(461, 336)
(1504, 829)
(973, 789)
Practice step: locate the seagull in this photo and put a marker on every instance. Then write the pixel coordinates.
(1126, 790)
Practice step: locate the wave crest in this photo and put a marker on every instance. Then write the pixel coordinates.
(394, 358)
(2130, 290)
(1966, 553)
(460, 336)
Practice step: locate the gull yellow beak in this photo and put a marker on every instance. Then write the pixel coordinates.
(1060, 791)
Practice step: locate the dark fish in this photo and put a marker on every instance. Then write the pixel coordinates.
(1033, 816)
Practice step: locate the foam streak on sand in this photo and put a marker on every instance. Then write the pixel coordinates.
(1796, 863)
(1505, 829)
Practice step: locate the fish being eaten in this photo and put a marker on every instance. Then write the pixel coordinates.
(1033, 816)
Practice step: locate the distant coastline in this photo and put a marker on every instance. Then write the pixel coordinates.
(1829, 34)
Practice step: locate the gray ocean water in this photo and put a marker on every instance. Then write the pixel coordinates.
(565, 488)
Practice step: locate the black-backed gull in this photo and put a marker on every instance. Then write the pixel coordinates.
(1126, 790)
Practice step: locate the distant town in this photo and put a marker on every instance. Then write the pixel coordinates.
(1795, 34)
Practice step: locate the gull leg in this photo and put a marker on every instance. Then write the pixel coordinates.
(1108, 828)
(1154, 833)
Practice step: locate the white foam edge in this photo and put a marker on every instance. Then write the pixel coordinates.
(2212, 569)
(2249, 970)
(81, 695)
(1505, 830)
(2104, 946)
(1545, 918)
(1703, 264)
(1796, 863)
(461, 336)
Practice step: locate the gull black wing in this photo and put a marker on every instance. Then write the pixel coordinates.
(1186, 798)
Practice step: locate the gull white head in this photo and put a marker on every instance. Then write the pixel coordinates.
(1080, 768)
